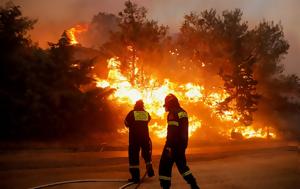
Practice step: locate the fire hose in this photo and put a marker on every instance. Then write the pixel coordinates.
(91, 180)
(78, 181)
(131, 183)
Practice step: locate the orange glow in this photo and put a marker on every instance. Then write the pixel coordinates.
(74, 32)
(251, 132)
(153, 93)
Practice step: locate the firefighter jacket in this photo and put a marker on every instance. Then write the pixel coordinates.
(177, 135)
(137, 122)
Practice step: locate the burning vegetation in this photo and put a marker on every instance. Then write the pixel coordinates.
(154, 91)
(74, 32)
(223, 73)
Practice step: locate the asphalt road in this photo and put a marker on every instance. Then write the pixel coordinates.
(266, 166)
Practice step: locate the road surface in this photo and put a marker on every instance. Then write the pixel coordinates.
(219, 167)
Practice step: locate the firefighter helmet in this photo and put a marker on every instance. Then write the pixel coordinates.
(171, 101)
(139, 105)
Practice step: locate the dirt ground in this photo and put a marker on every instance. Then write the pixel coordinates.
(244, 166)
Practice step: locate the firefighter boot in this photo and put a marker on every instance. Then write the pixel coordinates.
(150, 170)
(195, 186)
(135, 174)
(165, 184)
(192, 181)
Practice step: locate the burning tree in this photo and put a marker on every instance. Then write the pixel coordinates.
(219, 45)
(248, 61)
(136, 39)
(226, 44)
(242, 92)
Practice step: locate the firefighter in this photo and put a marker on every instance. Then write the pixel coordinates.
(176, 144)
(137, 121)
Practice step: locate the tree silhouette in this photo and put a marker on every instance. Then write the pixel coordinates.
(44, 93)
(41, 93)
(243, 56)
(136, 37)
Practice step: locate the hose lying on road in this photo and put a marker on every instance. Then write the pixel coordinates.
(131, 183)
(79, 181)
(126, 185)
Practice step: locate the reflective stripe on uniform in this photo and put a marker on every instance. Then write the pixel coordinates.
(186, 173)
(175, 123)
(134, 166)
(182, 115)
(164, 177)
(140, 116)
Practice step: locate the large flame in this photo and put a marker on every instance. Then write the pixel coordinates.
(153, 93)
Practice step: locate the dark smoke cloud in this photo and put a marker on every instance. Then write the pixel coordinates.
(56, 15)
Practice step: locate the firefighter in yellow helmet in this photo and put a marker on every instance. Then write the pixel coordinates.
(137, 121)
(176, 144)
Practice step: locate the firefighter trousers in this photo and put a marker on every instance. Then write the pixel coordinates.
(133, 154)
(169, 156)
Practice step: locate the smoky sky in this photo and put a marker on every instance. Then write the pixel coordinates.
(54, 16)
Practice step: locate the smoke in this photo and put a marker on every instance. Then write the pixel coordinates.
(55, 16)
(99, 30)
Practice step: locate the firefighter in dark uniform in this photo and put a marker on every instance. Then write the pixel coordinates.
(137, 121)
(176, 144)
